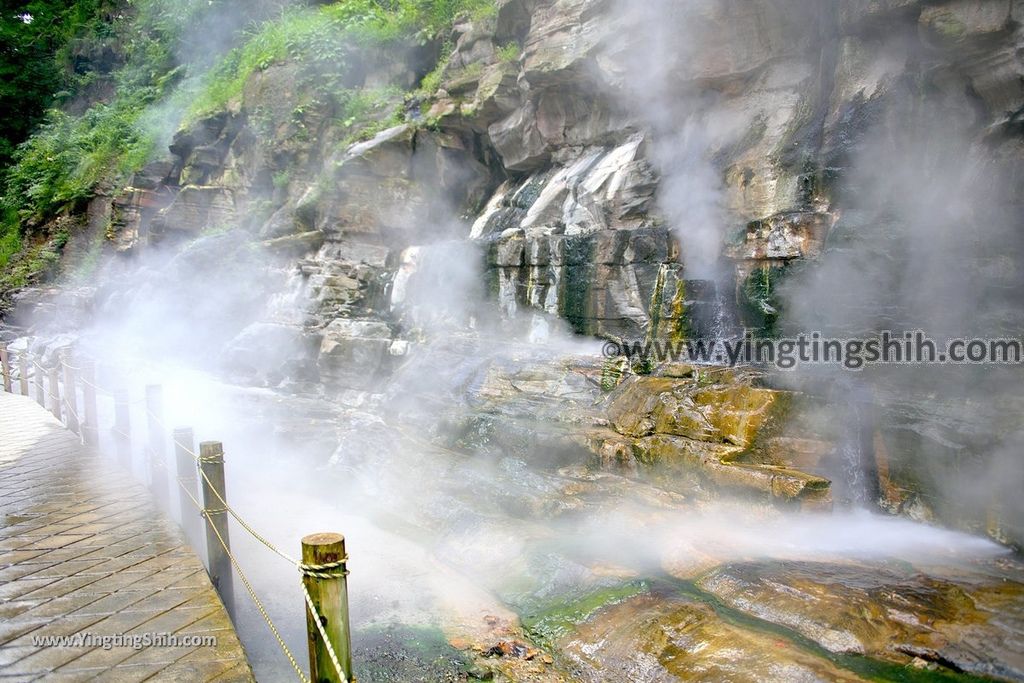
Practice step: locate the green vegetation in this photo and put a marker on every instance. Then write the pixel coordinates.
(68, 157)
(38, 38)
(509, 54)
(431, 83)
(33, 259)
(282, 179)
(10, 244)
(324, 38)
(560, 619)
(364, 113)
(127, 45)
(760, 302)
(120, 55)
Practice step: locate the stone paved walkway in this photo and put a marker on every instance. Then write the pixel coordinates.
(83, 551)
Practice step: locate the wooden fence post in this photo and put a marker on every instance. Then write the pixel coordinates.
(218, 542)
(91, 428)
(188, 486)
(54, 381)
(70, 394)
(5, 367)
(157, 447)
(37, 375)
(23, 372)
(123, 427)
(325, 580)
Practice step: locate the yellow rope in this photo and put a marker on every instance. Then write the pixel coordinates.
(238, 518)
(323, 634)
(249, 588)
(98, 388)
(332, 570)
(329, 570)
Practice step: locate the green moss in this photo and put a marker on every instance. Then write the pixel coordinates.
(324, 38)
(574, 301)
(760, 303)
(681, 330)
(948, 26)
(552, 624)
(612, 372)
(657, 302)
(399, 653)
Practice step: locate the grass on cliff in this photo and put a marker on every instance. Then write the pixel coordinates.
(68, 157)
(323, 39)
(10, 244)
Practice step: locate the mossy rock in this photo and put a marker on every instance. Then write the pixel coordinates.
(721, 413)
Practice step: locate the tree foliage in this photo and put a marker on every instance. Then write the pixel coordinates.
(36, 43)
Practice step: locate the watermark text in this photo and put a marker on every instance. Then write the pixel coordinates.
(888, 348)
(134, 641)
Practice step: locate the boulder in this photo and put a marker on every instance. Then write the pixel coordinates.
(653, 635)
(352, 352)
(716, 469)
(783, 237)
(295, 245)
(563, 37)
(518, 140)
(195, 209)
(959, 21)
(716, 414)
(890, 612)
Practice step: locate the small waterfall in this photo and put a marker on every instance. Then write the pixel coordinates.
(440, 287)
(854, 482)
(289, 305)
(852, 487)
(725, 323)
(712, 311)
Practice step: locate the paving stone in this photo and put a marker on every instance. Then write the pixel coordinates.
(83, 549)
(10, 655)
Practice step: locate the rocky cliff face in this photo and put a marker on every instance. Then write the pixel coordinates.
(557, 152)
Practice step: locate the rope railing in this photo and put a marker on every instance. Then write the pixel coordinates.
(316, 571)
(214, 505)
(248, 587)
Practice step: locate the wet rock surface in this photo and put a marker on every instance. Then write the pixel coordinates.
(653, 637)
(892, 612)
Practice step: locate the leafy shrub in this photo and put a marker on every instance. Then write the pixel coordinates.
(10, 244)
(509, 54)
(322, 38)
(68, 157)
